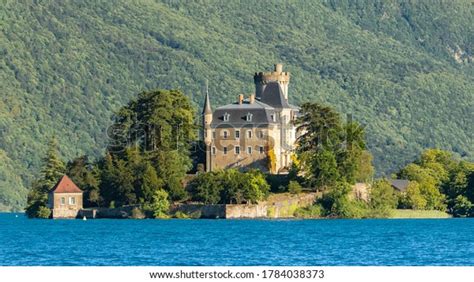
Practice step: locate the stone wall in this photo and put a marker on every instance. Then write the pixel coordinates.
(201, 210)
(64, 213)
(246, 211)
(276, 206)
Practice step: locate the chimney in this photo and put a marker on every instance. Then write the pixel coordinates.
(241, 99)
(252, 98)
(278, 68)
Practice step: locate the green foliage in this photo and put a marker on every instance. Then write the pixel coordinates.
(294, 187)
(53, 167)
(313, 211)
(462, 207)
(382, 198)
(183, 215)
(440, 180)
(66, 66)
(206, 188)
(160, 204)
(365, 171)
(149, 149)
(86, 175)
(413, 199)
(52, 171)
(337, 203)
(229, 187)
(159, 128)
(43, 212)
(329, 150)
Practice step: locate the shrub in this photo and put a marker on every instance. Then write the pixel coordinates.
(336, 203)
(382, 199)
(184, 215)
(294, 187)
(43, 212)
(137, 213)
(462, 207)
(160, 205)
(313, 211)
(229, 186)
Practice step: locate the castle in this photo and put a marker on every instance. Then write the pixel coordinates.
(253, 132)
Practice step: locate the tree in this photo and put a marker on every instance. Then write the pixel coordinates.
(157, 126)
(229, 187)
(413, 199)
(329, 150)
(382, 198)
(337, 203)
(462, 207)
(428, 185)
(255, 186)
(86, 176)
(150, 184)
(206, 188)
(53, 169)
(160, 204)
(365, 170)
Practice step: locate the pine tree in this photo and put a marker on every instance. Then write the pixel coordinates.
(53, 170)
(53, 166)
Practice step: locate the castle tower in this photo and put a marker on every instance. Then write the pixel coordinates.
(262, 78)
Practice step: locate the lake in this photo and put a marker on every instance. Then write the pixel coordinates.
(25, 242)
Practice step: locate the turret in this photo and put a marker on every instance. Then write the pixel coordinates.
(262, 78)
(207, 119)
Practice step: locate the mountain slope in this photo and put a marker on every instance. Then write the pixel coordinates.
(66, 66)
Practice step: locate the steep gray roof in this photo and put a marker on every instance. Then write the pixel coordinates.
(273, 96)
(399, 184)
(237, 113)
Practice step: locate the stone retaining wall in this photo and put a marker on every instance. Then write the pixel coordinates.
(276, 206)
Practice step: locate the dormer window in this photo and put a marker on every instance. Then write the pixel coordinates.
(273, 117)
(226, 116)
(248, 117)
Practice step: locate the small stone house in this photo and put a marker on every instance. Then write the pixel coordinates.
(65, 199)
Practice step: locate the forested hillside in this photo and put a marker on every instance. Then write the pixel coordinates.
(404, 69)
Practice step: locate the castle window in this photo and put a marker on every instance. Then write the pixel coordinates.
(273, 117)
(237, 134)
(225, 150)
(237, 150)
(249, 150)
(63, 201)
(249, 134)
(226, 117)
(261, 149)
(225, 134)
(213, 134)
(248, 117)
(72, 200)
(213, 150)
(260, 134)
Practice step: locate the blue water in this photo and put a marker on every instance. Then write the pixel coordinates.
(236, 242)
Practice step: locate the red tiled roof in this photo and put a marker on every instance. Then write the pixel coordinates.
(65, 185)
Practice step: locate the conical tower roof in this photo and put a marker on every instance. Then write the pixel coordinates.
(207, 104)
